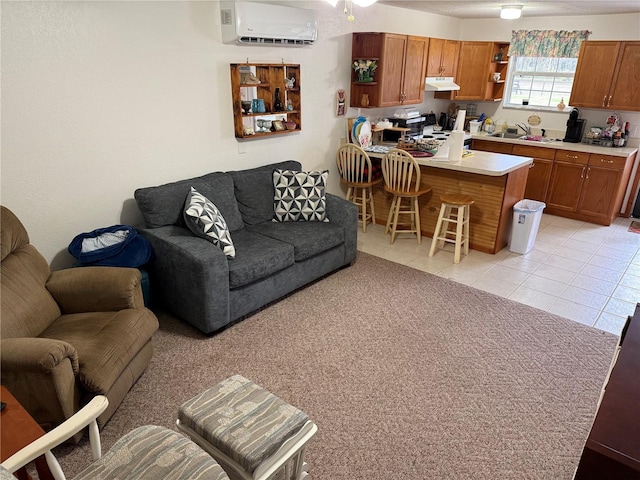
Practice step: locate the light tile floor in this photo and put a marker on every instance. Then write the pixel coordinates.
(585, 272)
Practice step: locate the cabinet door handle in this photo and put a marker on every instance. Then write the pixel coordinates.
(606, 161)
(575, 157)
(604, 100)
(588, 170)
(582, 174)
(609, 101)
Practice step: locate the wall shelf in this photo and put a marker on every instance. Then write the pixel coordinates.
(272, 76)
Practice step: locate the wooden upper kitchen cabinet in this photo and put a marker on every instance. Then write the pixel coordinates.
(539, 171)
(475, 72)
(443, 57)
(402, 63)
(607, 76)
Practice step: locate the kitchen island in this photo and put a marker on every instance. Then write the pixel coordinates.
(495, 181)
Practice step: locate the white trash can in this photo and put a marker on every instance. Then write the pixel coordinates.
(526, 220)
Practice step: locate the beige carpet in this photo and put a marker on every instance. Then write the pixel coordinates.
(407, 375)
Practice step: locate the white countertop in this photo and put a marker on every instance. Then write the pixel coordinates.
(481, 163)
(560, 145)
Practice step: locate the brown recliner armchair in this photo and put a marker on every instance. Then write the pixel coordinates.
(71, 334)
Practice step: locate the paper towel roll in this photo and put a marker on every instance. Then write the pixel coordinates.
(456, 145)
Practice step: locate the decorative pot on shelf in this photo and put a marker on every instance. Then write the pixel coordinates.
(277, 102)
(246, 106)
(365, 76)
(258, 105)
(364, 100)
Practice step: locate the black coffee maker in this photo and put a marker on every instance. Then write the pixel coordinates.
(574, 127)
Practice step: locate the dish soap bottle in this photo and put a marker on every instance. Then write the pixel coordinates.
(505, 125)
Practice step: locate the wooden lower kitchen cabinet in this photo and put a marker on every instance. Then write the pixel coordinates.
(601, 193)
(539, 171)
(579, 185)
(587, 187)
(565, 185)
(489, 146)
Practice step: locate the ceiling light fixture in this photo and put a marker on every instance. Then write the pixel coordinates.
(510, 12)
(348, 6)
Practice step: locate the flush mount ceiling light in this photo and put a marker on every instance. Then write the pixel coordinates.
(511, 12)
(348, 6)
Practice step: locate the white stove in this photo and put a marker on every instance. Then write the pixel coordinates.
(430, 132)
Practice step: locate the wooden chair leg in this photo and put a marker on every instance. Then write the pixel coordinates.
(459, 226)
(447, 216)
(396, 212)
(373, 209)
(390, 216)
(364, 199)
(416, 213)
(436, 233)
(467, 219)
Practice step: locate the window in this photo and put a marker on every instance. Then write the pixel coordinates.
(542, 81)
(542, 66)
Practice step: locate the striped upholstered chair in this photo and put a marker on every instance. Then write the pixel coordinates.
(149, 452)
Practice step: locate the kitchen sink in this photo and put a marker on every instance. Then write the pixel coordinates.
(507, 135)
(517, 136)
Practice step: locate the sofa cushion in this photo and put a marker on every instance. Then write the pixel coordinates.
(257, 256)
(205, 220)
(255, 192)
(162, 205)
(105, 342)
(307, 238)
(300, 196)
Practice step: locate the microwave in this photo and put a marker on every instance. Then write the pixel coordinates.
(415, 125)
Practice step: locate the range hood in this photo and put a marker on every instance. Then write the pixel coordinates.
(440, 84)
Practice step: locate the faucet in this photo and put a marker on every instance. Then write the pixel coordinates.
(526, 130)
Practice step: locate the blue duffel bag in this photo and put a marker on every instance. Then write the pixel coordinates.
(115, 246)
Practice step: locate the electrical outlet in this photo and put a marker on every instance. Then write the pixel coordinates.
(633, 130)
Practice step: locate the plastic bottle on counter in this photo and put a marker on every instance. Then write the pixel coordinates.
(505, 125)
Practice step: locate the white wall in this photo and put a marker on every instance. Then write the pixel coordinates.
(100, 98)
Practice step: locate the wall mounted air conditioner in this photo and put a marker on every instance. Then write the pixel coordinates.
(252, 23)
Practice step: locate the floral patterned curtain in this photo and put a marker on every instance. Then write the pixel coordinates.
(547, 43)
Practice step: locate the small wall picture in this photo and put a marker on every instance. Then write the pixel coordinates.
(341, 107)
(278, 125)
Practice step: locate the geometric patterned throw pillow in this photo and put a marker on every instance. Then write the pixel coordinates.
(205, 220)
(300, 196)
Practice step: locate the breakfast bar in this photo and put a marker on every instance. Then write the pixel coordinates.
(495, 181)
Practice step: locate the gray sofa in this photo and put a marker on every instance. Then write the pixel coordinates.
(196, 281)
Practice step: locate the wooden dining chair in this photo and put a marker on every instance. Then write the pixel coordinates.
(402, 178)
(357, 173)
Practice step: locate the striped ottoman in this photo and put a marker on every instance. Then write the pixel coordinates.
(252, 433)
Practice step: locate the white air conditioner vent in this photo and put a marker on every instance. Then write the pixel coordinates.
(226, 16)
(251, 23)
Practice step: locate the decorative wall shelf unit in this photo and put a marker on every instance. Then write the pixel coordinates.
(273, 78)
